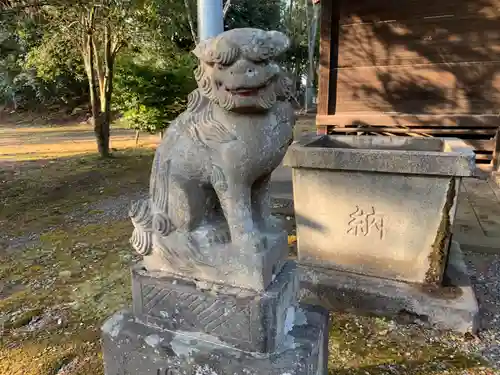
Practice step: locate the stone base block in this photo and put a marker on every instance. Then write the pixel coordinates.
(223, 263)
(131, 347)
(453, 307)
(248, 320)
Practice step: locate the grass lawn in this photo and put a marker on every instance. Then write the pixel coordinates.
(64, 268)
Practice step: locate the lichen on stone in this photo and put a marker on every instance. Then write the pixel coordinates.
(439, 254)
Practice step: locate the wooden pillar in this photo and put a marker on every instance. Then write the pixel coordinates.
(327, 85)
(496, 152)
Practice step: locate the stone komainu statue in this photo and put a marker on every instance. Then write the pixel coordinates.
(210, 176)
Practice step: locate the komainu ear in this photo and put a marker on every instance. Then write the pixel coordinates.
(202, 49)
(278, 42)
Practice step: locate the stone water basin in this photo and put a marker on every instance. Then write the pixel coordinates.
(379, 206)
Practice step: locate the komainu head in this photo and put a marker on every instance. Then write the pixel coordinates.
(237, 70)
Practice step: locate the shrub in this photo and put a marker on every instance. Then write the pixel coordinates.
(149, 95)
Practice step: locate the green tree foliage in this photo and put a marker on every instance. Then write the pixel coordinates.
(93, 32)
(151, 95)
(155, 76)
(297, 24)
(24, 85)
(127, 55)
(262, 14)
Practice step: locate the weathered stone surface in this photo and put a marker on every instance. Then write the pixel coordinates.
(130, 347)
(378, 206)
(222, 262)
(209, 191)
(452, 307)
(421, 156)
(245, 319)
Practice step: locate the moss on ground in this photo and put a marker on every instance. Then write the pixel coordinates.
(362, 345)
(68, 290)
(56, 291)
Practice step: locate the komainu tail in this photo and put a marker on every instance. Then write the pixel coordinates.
(151, 215)
(142, 218)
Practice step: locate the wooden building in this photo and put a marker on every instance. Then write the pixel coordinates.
(412, 67)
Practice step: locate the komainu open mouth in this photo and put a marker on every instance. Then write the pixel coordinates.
(248, 91)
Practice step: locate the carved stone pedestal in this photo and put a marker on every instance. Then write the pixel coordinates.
(176, 327)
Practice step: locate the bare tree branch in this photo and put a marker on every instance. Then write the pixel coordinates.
(227, 5)
(190, 21)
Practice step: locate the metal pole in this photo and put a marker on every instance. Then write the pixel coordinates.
(210, 18)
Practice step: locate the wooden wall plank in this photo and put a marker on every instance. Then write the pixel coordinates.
(425, 131)
(481, 144)
(430, 41)
(388, 10)
(460, 89)
(430, 66)
(410, 121)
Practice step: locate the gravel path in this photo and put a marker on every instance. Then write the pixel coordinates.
(106, 210)
(485, 274)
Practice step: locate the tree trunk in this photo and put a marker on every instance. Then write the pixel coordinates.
(101, 132)
(307, 91)
(190, 21)
(107, 84)
(227, 5)
(290, 16)
(99, 69)
(137, 133)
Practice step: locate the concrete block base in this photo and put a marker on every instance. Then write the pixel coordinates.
(131, 347)
(453, 307)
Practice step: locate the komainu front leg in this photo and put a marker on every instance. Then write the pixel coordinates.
(236, 203)
(261, 205)
(186, 203)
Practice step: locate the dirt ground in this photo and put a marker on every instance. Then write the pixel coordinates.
(43, 142)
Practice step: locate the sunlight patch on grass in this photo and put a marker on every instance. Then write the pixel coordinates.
(368, 345)
(48, 129)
